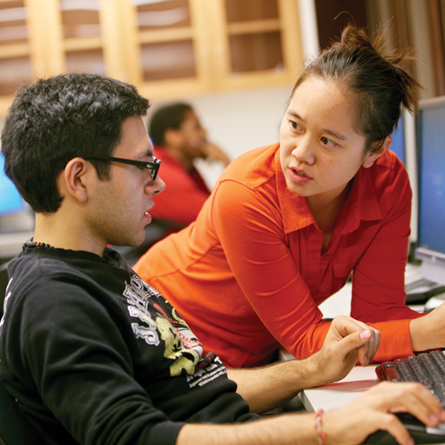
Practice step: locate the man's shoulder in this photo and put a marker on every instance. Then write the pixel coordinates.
(48, 271)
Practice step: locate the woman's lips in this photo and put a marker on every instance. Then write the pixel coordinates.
(299, 176)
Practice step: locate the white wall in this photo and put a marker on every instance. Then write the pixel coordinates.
(238, 121)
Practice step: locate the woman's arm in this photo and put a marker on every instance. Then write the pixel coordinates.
(378, 291)
(428, 332)
(379, 277)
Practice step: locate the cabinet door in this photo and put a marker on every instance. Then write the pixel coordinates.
(256, 42)
(81, 31)
(15, 59)
(168, 48)
(170, 51)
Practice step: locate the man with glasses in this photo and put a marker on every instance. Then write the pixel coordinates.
(94, 355)
(152, 165)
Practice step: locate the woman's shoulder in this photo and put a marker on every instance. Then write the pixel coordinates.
(389, 169)
(253, 167)
(391, 161)
(389, 179)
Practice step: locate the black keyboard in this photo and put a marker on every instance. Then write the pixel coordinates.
(427, 368)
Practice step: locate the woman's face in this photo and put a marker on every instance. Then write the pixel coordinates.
(320, 148)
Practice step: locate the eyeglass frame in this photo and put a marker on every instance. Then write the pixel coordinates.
(150, 165)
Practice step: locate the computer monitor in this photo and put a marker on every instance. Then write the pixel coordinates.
(10, 199)
(398, 140)
(404, 146)
(431, 159)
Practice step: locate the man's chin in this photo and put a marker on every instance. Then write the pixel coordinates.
(136, 242)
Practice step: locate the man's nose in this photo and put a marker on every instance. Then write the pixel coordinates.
(158, 184)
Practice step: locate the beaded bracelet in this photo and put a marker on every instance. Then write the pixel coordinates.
(319, 428)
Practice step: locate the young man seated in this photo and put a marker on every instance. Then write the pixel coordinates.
(93, 354)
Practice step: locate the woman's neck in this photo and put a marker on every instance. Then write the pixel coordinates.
(326, 210)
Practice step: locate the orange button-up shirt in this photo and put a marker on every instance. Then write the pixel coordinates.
(249, 274)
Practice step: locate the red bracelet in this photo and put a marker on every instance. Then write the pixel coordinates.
(319, 428)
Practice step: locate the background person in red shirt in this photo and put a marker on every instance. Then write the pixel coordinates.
(286, 224)
(179, 139)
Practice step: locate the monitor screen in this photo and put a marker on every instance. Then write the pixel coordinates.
(10, 199)
(404, 146)
(398, 141)
(431, 146)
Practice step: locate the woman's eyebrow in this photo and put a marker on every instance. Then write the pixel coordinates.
(294, 114)
(335, 134)
(331, 132)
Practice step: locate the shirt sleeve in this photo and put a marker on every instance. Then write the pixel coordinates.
(253, 242)
(378, 290)
(182, 198)
(80, 365)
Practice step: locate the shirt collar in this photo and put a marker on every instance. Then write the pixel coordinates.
(361, 205)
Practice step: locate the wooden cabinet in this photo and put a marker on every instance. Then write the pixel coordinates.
(197, 46)
(15, 52)
(169, 48)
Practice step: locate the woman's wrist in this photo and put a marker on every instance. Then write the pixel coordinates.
(422, 334)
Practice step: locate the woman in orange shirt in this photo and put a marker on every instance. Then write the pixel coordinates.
(286, 224)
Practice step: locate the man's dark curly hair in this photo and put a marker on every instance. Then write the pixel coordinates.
(55, 120)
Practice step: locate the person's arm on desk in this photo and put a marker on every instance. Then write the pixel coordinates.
(428, 332)
(348, 425)
(346, 341)
(372, 411)
(265, 387)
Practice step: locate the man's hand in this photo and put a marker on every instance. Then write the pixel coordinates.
(269, 387)
(371, 411)
(347, 341)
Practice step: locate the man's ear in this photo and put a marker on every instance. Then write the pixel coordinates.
(75, 179)
(370, 158)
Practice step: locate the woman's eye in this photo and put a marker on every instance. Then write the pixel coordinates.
(294, 125)
(327, 141)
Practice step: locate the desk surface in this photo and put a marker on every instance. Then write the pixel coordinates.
(335, 395)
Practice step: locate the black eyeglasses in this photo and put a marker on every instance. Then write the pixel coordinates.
(152, 165)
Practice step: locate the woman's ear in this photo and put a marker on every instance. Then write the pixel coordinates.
(370, 158)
